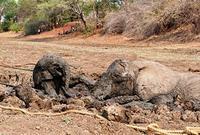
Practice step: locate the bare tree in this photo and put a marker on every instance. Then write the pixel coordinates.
(2, 7)
(76, 6)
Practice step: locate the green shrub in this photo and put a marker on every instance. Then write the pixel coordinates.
(1, 30)
(89, 30)
(5, 26)
(33, 27)
(15, 27)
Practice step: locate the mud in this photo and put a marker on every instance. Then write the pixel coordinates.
(134, 92)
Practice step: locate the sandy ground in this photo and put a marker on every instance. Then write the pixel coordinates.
(89, 55)
(71, 124)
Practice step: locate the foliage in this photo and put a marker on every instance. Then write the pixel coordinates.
(88, 7)
(15, 27)
(5, 25)
(164, 19)
(55, 12)
(35, 26)
(26, 9)
(8, 11)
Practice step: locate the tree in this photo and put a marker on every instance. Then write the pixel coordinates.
(101, 7)
(53, 11)
(26, 9)
(8, 10)
(2, 2)
(76, 7)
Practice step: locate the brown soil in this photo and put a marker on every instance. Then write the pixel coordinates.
(71, 124)
(89, 55)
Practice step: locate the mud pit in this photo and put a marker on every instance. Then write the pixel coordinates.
(123, 107)
(133, 92)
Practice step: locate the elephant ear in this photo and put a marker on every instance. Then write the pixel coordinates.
(154, 79)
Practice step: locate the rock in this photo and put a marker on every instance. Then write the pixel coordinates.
(117, 113)
(97, 104)
(161, 109)
(123, 99)
(39, 104)
(30, 98)
(14, 101)
(38, 128)
(93, 110)
(140, 120)
(189, 116)
(74, 107)
(198, 115)
(9, 91)
(76, 102)
(176, 115)
(2, 92)
(88, 100)
(59, 108)
(188, 105)
(136, 109)
(24, 93)
(196, 105)
(142, 104)
(51, 75)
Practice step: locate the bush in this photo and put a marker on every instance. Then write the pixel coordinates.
(1, 30)
(162, 19)
(15, 27)
(33, 27)
(5, 26)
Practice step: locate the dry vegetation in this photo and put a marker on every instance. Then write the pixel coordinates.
(171, 20)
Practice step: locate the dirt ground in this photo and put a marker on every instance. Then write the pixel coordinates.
(71, 124)
(89, 55)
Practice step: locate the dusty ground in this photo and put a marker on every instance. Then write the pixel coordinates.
(90, 55)
(62, 125)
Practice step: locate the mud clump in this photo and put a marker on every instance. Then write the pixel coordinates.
(2, 92)
(51, 75)
(189, 116)
(26, 97)
(117, 113)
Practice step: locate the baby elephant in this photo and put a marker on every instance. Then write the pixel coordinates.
(51, 75)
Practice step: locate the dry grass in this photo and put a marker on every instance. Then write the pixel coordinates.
(170, 19)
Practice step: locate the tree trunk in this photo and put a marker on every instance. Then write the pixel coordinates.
(83, 20)
(96, 12)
